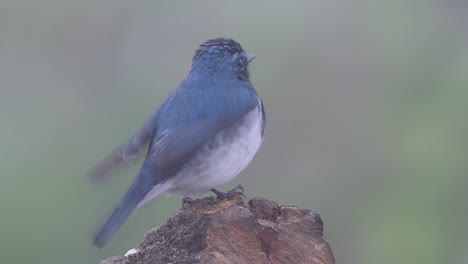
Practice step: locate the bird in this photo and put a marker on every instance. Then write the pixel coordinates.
(201, 137)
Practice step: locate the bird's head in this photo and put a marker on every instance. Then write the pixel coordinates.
(222, 57)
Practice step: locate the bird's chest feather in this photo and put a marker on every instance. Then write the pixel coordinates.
(222, 158)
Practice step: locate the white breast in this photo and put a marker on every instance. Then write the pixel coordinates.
(217, 164)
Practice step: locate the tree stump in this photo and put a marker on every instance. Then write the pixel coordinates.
(228, 231)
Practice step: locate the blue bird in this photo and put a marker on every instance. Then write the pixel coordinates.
(201, 137)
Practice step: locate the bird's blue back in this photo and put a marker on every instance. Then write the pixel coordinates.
(201, 98)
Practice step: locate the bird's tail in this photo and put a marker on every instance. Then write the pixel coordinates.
(127, 205)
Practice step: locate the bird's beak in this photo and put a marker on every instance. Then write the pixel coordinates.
(250, 57)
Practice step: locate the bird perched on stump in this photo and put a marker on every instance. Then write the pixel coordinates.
(201, 137)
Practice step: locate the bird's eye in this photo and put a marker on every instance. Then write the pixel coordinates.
(240, 62)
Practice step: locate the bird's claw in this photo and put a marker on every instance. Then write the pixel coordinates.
(186, 201)
(238, 190)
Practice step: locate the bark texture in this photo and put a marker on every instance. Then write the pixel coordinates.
(228, 231)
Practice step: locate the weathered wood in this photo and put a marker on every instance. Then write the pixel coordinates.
(226, 231)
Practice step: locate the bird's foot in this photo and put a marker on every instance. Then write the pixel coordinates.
(186, 201)
(238, 190)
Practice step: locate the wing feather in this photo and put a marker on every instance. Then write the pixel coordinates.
(125, 154)
(177, 146)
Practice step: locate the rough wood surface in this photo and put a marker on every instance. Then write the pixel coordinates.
(226, 231)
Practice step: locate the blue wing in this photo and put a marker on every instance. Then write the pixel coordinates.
(177, 146)
(126, 153)
(165, 157)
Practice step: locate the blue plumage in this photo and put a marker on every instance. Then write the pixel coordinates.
(202, 136)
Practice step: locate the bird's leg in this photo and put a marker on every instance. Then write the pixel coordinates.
(236, 191)
(186, 201)
(239, 189)
(218, 193)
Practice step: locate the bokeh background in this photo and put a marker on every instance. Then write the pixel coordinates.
(367, 105)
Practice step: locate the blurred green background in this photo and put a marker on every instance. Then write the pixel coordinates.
(367, 105)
